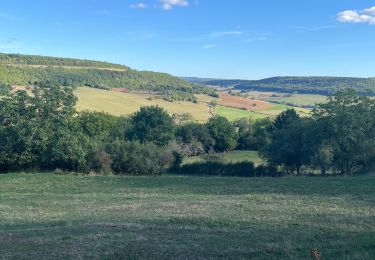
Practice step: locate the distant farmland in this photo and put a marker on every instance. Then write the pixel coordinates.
(125, 103)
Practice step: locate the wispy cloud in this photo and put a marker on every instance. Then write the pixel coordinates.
(170, 4)
(209, 46)
(358, 16)
(228, 33)
(303, 29)
(139, 6)
(256, 39)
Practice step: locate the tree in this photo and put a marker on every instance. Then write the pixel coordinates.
(194, 132)
(350, 122)
(223, 132)
(97, 125)
(287, 146)
(152, 124)
(38, 131)
(252, 135)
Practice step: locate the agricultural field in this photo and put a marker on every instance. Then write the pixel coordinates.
(231, 157)
(242, 103)
(297, 99)
(125, 103)
(120, 103)
(47, 216)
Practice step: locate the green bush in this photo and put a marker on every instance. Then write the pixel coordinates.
(133, 158)
(242, 169)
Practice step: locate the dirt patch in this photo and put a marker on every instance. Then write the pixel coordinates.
(242, 103)
(18, 88)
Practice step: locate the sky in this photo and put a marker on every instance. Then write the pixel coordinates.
(238, 39)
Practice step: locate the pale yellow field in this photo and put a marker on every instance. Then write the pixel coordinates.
(118, 103)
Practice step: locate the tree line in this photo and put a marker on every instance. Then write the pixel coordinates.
(302, 85)
(25, 70)
(42, 131)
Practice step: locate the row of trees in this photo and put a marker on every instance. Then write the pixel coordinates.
(306, 85)
(338, 138)
(26, 70)
(43, 131)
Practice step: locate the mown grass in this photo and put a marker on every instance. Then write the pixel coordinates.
(230, 157)
(298, 99)
(233, 114)
(171, 217)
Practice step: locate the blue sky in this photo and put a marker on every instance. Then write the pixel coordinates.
(246, 39)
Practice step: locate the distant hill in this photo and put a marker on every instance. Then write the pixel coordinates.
(303, 85)
(16, 69)
(198, 80)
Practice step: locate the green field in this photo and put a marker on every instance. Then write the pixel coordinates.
(118, 104)
(233, 156)
(234, 113)
(76, 217)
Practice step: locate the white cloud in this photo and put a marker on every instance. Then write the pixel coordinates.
(138, 6)
(209, 46)
(169, 4)
(229, 33)
(355, 16)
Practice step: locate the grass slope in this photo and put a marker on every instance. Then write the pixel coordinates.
(59, 217)
(118, 103)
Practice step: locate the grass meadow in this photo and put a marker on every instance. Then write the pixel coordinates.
(122, 104)
(47, 216)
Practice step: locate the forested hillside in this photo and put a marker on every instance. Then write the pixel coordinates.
(304, 85)
(18, 69)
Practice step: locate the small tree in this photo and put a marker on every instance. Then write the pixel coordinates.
(223, 132)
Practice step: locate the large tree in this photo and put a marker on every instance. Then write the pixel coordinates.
(152, 124)
(38, 130)
(287, 142)
(349, 121)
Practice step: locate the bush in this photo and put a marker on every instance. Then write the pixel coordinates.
(100, 162)
(215, 168)
(133, 158)
(266, 171)
(242, 169)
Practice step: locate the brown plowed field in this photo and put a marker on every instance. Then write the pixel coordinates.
(243, 103)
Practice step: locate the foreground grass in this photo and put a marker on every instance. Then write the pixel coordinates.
(50, 216)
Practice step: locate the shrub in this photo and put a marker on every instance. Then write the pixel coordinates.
(266, 171)
(133, 158)
(242, 169)
(100, 162)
